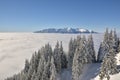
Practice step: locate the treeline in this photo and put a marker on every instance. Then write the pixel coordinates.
(110, 41)
(46, 64)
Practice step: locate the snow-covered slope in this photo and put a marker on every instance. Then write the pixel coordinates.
(90, 72)
(116, 76)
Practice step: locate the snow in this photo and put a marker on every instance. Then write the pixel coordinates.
(118, 58)
(115, 76)
(66, 74)
(68, 29)
(90, 71)
(82, 30)
(16, 47)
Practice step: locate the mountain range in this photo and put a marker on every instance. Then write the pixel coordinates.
(65, 30)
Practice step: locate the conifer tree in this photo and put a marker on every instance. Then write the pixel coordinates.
(80, 58)
(77, 66)
(118, 45)
(110, 41)
(26, 68)
(57, 57)
(46, 72)
(40, 68)
(115, 41)
(53, 75)
(105, 45)
(91, 51)
(109, 65)
(33, 66)
(63, 57)
(106, 35)
(70, 53)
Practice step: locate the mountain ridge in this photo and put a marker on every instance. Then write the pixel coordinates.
(65, 30)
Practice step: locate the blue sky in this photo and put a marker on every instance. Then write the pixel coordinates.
(31, 15)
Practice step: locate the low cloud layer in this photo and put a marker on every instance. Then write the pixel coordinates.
(16, 47)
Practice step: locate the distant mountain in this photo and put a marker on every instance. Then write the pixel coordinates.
(65, 30)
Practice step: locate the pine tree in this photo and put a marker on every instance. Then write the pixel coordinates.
(110, 40)
(23, 76)
(80, 58)
(70, 53)
(84, 51)
(77, 66)
(46, 72)
(53, 75)
(32, 67)
(108, 65)
(115, 41)
(33, 76)
(26, 68)
(105, 45)
(40, 68)
(91, 51)
(118, 45)
(47, 51)
(63, 57)
(57, 57)
(106, 35)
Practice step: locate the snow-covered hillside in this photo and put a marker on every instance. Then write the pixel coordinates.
(16, 47)
(116, 76)
(91, 71)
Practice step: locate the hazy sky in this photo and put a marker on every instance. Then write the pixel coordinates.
(31, 15)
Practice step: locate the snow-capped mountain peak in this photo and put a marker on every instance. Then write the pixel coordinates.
(83, 30)
(68, 29)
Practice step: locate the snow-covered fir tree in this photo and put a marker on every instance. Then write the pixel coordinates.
(47, 51)
(115, 41)
(110, 40)
(81, 57)
(77, 66)
(63, 57)
(57, 57)
(33, 66)
(70, 53)
(46, 73)
(85, 55)
(104, 47)
(40, 68)
(109, 65)
(118, 45)
(90, 47)
(53, 72)
(27, 65)
(73, 44)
